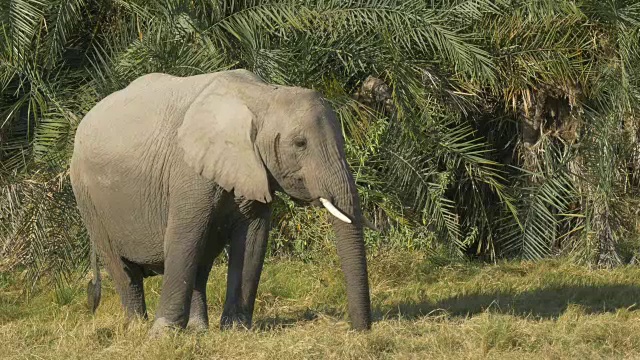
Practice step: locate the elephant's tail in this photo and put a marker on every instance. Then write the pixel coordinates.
(94, 285)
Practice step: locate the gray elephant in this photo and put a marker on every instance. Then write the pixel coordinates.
(169, 170)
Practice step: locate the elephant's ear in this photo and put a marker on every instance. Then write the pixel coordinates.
(218, 140)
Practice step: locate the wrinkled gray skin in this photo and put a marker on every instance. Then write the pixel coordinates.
(169, 170)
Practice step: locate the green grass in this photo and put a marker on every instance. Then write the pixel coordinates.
(544, 310)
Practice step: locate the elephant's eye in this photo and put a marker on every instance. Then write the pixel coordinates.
(300, 142)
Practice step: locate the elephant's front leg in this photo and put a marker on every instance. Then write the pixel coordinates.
(185, 236)
(246, 257)
(198, 316)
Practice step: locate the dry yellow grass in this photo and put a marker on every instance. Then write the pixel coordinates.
(545, 310)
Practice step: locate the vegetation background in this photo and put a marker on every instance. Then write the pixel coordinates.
(476, 128)
(481, 132)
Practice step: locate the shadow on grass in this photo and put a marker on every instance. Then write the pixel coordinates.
(277, 322)
(280, 322)
(548, 303)
(543, 303)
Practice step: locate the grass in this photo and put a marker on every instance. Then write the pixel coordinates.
(544, 310)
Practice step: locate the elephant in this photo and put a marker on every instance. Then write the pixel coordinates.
(169, 170)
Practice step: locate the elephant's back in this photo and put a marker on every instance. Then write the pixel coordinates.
(149, 110)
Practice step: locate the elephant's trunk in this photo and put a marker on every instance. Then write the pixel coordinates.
(350, 245)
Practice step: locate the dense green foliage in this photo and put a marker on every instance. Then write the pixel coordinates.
(487, 128)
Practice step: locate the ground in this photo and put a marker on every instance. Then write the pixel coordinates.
(422, 310)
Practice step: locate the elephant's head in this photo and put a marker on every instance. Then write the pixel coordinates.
(255, 138)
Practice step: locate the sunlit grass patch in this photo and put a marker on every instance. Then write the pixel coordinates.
(544, 310)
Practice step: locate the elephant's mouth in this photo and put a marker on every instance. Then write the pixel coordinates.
(305, 203)
(327, 204)
(333, 210)
(314, 201)
(318, 202)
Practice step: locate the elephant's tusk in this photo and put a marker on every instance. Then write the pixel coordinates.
(335, 212)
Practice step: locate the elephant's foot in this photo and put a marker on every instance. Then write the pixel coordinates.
(134, 321)
(238, 321)
(162, 326)
(198, 324)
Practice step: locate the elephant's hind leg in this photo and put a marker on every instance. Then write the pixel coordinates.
(130, 288)
(126, 277)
